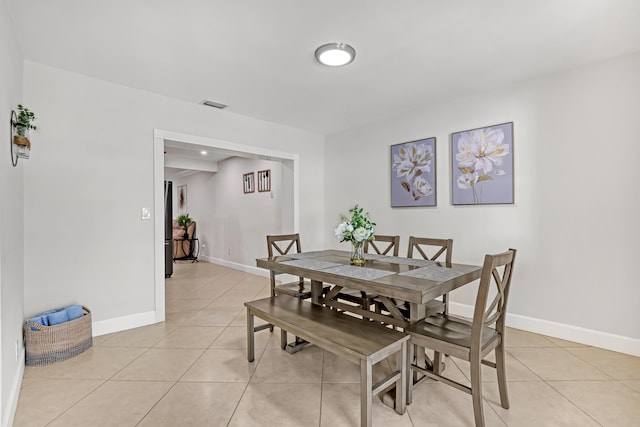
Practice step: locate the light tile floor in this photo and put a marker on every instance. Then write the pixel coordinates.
(192, 371)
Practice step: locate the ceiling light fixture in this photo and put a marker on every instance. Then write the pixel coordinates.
(335, 54)
(204, 153)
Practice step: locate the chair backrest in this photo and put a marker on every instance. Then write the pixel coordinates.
(431, 249)
(283, 244)
(497, 270)
(383, 245)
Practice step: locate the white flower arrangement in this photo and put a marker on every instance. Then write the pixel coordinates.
(357, 229)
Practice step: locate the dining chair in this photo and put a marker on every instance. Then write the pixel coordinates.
(432, 250)
(472, 341)
(382, 245)
(285, 244)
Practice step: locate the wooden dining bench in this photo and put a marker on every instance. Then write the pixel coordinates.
(361, 342)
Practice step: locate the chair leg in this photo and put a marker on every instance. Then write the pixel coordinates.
(445, 300)
(476, 389)
(250, 337)
(438, 362)
(502, 376)
(273, 291)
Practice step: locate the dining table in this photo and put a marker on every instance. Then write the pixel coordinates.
(391, 278)
(416, 281)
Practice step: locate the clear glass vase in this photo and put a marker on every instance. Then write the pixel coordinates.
(22, 130)
(357, 253)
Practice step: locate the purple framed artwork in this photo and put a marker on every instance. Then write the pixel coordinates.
(482, 165)
(413, 173)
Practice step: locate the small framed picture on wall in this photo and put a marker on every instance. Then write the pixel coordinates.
(182, 199)
(248, 182)
(264, 180)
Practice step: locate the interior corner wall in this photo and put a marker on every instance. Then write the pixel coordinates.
(11, 227)
(92, 173)
(575, 217)
(230, 223)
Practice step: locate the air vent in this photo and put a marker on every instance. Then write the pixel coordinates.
(214, 104)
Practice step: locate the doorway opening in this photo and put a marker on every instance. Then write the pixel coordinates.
(232, 158)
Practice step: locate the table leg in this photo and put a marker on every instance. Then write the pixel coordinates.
(416, 313)
(316, 292)
(316, 295)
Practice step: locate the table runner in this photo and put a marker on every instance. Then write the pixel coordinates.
(434, 272)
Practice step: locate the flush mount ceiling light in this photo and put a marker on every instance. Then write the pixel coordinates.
(335, 54)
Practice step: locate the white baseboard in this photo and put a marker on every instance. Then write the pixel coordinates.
(14, 393)
(237, 266)
(118, 324)
(563, 331)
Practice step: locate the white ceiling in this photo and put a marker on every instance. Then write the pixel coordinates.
(183, 159)
(257, 56)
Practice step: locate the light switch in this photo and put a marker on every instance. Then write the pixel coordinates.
(146, 213)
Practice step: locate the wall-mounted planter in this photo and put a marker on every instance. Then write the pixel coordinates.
(23, 146)
(20, 125)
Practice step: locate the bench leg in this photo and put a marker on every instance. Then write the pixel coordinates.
(409, 382)
(366, 393)
(250, 337)
(401, 384)
(283, 339)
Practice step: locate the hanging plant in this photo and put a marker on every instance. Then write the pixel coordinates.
(24, 121)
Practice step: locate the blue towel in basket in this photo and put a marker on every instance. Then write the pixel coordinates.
(74, 311)
(41, 320)
(58, 317)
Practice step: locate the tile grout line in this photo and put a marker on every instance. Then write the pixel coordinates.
(256, 361)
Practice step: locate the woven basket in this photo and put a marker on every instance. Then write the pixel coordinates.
(51, 344)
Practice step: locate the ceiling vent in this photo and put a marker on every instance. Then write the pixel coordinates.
(214, 104)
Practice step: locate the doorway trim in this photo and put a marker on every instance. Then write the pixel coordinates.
(159, 138)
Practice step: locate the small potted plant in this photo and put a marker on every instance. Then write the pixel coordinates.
(184, 221)
(23, 124)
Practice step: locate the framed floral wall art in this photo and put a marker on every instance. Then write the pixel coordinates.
(413, 173)
(482, 165)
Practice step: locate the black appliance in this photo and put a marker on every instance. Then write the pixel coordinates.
(168, 229)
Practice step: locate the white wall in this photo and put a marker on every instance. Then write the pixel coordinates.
(575, 217)
(231, 224)
(11, 226)
(86, 184)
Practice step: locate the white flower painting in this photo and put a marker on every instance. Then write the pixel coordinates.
(483, 165)
(413, 173)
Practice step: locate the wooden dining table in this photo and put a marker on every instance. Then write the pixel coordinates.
(416, 281)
